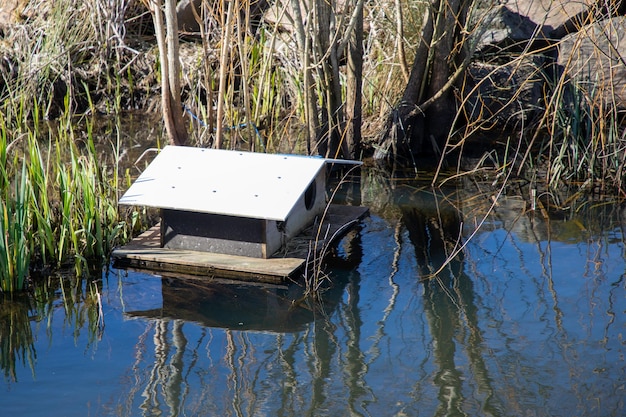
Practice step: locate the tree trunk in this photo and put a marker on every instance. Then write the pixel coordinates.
(328, 140)
(440, 115)
(166, 31)
(180, 132)
(354, 88)
(323, 38)
(395, 139)
(310, 97)
(421, 121)
(224, 66)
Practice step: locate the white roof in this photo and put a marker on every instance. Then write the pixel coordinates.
(234, 183)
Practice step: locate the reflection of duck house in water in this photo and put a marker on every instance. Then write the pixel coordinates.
(228, 204)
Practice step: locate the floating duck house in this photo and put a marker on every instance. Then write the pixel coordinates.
(232, 203)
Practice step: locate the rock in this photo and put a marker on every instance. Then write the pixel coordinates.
(11, 12)
(185, 15)
(507, 94)
(549, 14)
(517, 52)
(506, 30)
(594, 59)
(187, 22)
(522, 21)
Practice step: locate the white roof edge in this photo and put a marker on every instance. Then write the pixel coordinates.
(269, 193)
(343, 161)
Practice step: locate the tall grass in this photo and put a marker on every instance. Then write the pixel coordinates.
(587, 145)
(41, 203)
(262, 101)
(65, 55)
(90, 56)
(87, 219)
(14, 236)
(61, 208)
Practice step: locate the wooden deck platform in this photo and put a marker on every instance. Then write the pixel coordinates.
(144, 252)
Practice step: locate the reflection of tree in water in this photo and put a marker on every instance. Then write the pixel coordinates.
(296, 373)
(324, 365)
(274, 355)
(433, 226)
(289, 372)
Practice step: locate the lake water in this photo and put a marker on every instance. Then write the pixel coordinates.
(526, 319)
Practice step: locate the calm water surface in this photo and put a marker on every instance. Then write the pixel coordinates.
(527, 320)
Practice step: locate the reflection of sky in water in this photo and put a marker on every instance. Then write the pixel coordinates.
(528, 328)
(556, 313)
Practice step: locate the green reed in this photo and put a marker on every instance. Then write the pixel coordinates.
(14, 236)
(41, 204)
(89, 223)
(587, 142)
(60, 210)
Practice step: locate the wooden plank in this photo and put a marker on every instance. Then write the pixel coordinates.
(145, 252)
(337, 221)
